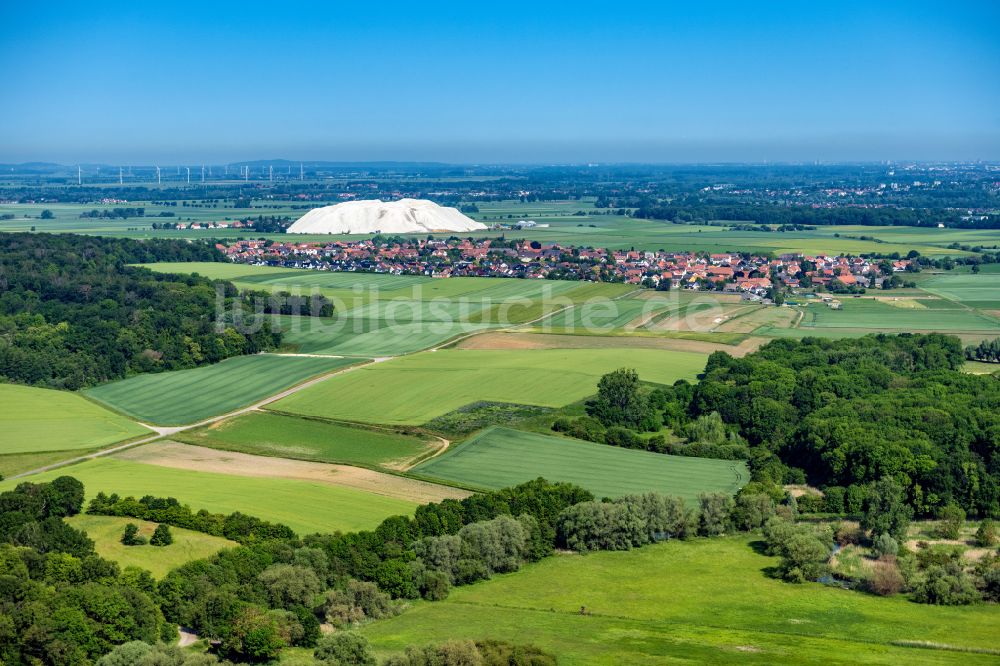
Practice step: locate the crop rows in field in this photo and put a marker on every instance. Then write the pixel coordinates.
(501, 457)
(188, 396)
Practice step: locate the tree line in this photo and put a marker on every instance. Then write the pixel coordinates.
(839, 414)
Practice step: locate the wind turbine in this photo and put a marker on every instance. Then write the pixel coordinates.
(121, 181)
(157, 175)
(79, 175)
(302, 173)
(189, 174)
(270, 173)
(203, 173)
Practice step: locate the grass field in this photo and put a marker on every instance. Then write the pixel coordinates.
(500, 457)
(879, 315)
(414, 389)
(34, 420)
(106, 531)
(304, 506)
(980, 290)
(187, 396)
(705, 601)
(308, 439)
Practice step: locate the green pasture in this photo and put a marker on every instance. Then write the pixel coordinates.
(279, 436)
(106, 531)
(501, 457)
(305, 506)
(705, 601)
(34, 420)
(975, 290)
(187, 396)
(878, 315)
(415, 389)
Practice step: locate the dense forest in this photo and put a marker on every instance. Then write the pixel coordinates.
(73, 312)
(838, 414)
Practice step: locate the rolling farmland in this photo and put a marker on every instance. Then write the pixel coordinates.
(304, 506)
(414, 389)
(500, 457)
(34, 420)
(187, 396)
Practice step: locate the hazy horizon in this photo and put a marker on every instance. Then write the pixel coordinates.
(518, 84)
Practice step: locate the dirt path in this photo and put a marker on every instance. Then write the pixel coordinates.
(166, 431)
(167, 453)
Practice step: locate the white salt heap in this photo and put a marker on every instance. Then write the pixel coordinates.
(405, 216)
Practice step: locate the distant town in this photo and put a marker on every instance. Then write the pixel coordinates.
(755, 276)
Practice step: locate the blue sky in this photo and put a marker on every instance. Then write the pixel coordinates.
(499, 82)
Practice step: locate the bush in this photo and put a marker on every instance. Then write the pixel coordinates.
(623, 437)
(952, 520)
(885, 545)
(945, 586)
(131, 536)
(986, 535)
(886, 579)
(344, 648)
(469, 653)
(161, 536)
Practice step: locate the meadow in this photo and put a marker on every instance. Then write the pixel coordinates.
(268, 434)
(106, 531)
(980, 290)
(415, 389)
(188, 396)
(501, 457)
(35, 419)
(701, 601)
(305, 506)
(880, 315)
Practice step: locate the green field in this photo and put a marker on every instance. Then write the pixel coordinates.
(501, 457)
(281, 436)
(980, 290)
(187, 396)
(366, 337)
(879, 315)
(707, 601)
(106, 531)
(304, 506)
(415, 389)
(35, 419)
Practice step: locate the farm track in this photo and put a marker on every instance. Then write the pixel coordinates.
(167, 431)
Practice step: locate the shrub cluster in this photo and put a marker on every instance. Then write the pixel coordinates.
(236, 526)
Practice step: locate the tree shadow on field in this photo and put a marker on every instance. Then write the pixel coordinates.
(759, 546)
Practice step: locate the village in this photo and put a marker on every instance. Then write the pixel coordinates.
(757, 277)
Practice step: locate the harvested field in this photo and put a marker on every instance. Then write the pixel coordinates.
(498, 340)
(201, 459)
(750, 320)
